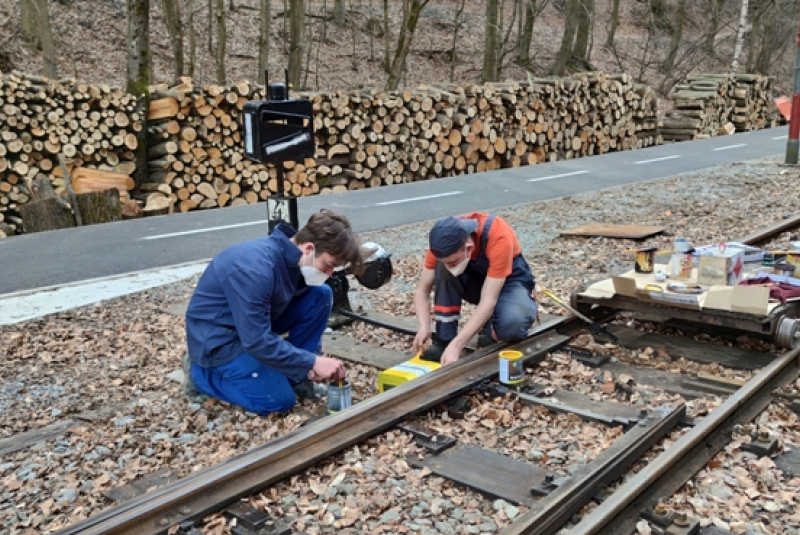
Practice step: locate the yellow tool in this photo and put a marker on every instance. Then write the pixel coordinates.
(593, 324)
(402, 373)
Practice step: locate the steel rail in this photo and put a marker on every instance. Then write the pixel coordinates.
(208, 491)
(372, 321)
(667, 473)
(550, 514)
(764, 235)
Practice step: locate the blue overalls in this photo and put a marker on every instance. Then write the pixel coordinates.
(515, 310)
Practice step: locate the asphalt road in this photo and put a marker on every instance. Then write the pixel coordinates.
(54, 258)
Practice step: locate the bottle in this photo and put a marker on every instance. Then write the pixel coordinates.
(681, 245)
(681, 261)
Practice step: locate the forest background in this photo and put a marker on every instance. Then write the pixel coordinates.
(332, 45)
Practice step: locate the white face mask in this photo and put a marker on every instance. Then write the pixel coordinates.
(312, 275)
(459, 268)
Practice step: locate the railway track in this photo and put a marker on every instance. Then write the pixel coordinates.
(655, 450)
(189, 500)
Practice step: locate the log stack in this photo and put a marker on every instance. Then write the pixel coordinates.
(374, 138)
(364, 138)
(715, 104)
(370, 138)
(196, 154)
(93, 126)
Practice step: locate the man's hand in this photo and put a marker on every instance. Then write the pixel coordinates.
(451, 354)
(326, 369)
(421, 339)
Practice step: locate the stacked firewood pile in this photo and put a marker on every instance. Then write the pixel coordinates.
(90, 125)
(370, 138)
(196, 153)
(719, 104)
(364, 138)
(375, 138)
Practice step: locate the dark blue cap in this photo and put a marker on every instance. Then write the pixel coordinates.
(449, 234)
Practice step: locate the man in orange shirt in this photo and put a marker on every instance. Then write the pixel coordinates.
(475, 258)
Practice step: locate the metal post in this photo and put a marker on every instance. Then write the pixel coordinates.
(793, 144)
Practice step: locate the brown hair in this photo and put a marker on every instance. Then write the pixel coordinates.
(331, 233)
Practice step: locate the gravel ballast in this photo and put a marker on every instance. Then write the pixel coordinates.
(110, 369)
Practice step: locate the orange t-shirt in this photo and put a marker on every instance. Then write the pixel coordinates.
(501, 247)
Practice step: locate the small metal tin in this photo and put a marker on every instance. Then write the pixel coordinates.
(339, 396)
(645, 258)
(510, 367)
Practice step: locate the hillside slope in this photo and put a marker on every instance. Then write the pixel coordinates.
(90, 39)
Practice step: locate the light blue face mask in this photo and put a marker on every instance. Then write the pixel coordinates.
(312, 275)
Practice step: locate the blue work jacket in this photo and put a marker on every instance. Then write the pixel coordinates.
(238, 297)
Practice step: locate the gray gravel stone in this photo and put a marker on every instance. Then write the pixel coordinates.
(389, 516)
(67, 496)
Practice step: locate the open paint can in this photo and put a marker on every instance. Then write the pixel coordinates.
(645, 259)
(339, 396)
(510, 367)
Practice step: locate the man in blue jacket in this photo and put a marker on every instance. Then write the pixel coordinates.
(249, 296)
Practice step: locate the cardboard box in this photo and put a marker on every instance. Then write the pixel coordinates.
(721, 268)
(628, 286)
(745, 299)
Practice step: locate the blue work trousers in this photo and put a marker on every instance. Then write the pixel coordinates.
(256, 387)
(513, 314)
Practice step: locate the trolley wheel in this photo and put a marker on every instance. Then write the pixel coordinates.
(787, 333)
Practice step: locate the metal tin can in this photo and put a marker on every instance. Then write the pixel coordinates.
(510, 370)
(645, 259)
(339, 396)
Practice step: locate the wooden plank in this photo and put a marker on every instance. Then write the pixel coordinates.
(606, 412)
(25, 440)
(144, 484)
(730, 357)
(486, 472)
(607, 230)
(346, 348)
(669, 382)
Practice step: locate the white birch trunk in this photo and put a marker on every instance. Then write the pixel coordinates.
(743, 29)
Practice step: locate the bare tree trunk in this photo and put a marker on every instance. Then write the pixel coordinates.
(582, 48)
(138, 45)
(192, 38)
(411, 12)
(564, 55)
(310, 49)
(676, 37)
(210, 31)
(456, 27)
(612, 29)
(339, 12)
(222, 38)
(774, 33)
(740, 34)
(526, 33)
(29, 19)
(139, 73)
(714, 14)
(491, 41)
(296, 42)
(387, 38)
(46, 38)
(172, 19)
(263, 40)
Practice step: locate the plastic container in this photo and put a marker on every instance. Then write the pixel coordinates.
(510, 367)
